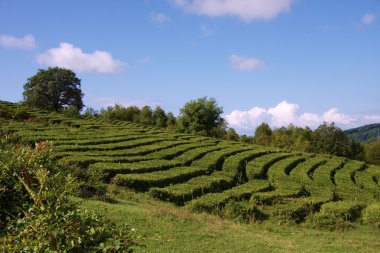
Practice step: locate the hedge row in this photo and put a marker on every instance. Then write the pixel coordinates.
(112, 146)
(323, 176)
(277, 196)
(371, 214)
(345, 182)
(176, 151)
(296, 210)
(216, 182)
(180, 193)
(85, 161)
(278, 174)
(258, 168)
(303, 172)
(111, 169)
(337, 215)
(367, 182)
(144, 181)
(215, 202)
(141, 150)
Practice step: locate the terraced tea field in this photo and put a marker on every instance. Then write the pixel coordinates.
(207, 175)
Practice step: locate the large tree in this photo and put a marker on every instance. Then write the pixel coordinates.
(263, 134)
(372, 152)
(330, 139)
(203, 117)
(159, 117)
(54, 89)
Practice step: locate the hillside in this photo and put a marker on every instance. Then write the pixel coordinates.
(365, 133)
(206, 174)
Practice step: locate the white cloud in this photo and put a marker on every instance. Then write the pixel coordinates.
(245, 120)
(27, 42)
(333, 115)
(286, 113)
(246, 10)
(283, 114)
(68, 56)
(309, 119)
(368, 19)
(159, 18)
(244, 63)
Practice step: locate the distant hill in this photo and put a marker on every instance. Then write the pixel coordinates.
(365, 133)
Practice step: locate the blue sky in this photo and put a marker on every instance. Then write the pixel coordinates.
(279, 61)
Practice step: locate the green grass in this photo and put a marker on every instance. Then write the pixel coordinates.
(163, 227)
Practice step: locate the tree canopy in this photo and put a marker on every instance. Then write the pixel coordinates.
(54, 89)
(203, 117)
(372, 152)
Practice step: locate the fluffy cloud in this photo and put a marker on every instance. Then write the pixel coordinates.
(68, 56)
(158, 17)
(368, 19)
(286, 113)
(244, 63)
(246, 10)
(27, 42)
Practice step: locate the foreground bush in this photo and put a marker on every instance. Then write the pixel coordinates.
(371, 214)
(37, 214)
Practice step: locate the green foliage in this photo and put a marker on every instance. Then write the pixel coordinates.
(292, 138)
(119, 112)
(231, 135)
(90, 113)
(53, 89)
(326, 139)
(37, 214)
(241, 211)
(146, 116)
(144, 181)
(159, 117)
(329, 139)
(71, 112)
(372, 152)
(14, 113)
(171, 121)
(371, 214)
(263, 135)
(203, 117)
(337, 215)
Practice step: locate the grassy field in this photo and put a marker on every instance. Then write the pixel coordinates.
(163, 227)
(164, 183)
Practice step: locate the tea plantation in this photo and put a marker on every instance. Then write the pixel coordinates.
(232, 180)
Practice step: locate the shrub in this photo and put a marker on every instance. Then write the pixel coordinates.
(37, 213)
(372, 214)
(241, 211)
(337, 215)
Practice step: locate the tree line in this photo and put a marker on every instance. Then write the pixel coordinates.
(58, 89)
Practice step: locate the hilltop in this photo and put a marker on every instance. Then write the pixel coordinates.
(242, 182)
(365, 133)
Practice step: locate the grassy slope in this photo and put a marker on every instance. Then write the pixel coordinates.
(167, 228)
